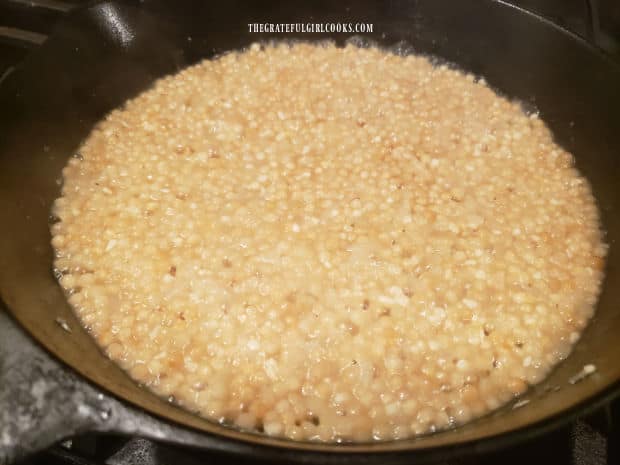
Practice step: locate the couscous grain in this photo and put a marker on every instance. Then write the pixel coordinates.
(329, 243)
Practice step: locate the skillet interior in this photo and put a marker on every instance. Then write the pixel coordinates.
(109, 52)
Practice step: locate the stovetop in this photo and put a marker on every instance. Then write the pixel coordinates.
(580, 444)
(591, 440)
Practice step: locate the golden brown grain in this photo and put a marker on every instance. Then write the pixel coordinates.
(329, 244)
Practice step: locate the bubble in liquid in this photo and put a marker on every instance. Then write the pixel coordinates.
(63, 324)
(402, 49)
(58, 274)
(361, 42)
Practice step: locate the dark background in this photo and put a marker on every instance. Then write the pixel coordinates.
(26, 23)
(580, 16)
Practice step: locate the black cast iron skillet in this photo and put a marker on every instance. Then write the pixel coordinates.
(110, 51)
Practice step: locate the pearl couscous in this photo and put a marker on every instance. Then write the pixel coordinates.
(332, 244)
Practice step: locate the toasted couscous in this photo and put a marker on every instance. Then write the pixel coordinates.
(329, 243)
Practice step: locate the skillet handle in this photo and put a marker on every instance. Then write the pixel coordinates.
(41, 402)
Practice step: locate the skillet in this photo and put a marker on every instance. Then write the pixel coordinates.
(108, 52)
